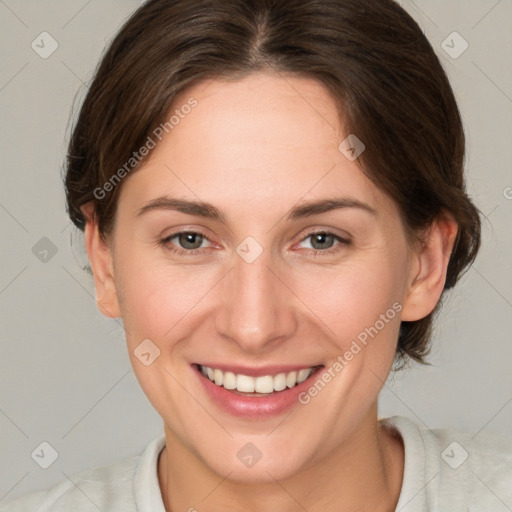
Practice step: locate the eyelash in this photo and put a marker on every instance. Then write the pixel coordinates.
(190, 252)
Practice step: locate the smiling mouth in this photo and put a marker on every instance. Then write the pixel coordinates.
(264, 385)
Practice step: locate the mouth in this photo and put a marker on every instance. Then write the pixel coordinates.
(263, 385)
(265, 393)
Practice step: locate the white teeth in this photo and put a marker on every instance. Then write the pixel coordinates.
(265, 384)
(218, 375)
(291, 379)
(303, 375)
(245, 383)
(280, 382)
(229, 380)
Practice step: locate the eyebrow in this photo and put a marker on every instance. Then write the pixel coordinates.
(209, 211)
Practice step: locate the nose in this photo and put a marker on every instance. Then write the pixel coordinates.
(256, 308)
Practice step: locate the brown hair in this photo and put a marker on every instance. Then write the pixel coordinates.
(370, 54)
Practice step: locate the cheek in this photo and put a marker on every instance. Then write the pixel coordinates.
(156, 304)
(352, 297)
(154, 295)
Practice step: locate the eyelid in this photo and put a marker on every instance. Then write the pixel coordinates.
(327, 231)
(342, 241)
(195, 231)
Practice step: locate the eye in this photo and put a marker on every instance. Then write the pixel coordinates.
(323, 242)
(189, 241)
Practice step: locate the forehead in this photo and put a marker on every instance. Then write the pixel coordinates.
(275, 110)
(250, 142)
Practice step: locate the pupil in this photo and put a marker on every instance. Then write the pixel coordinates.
(320, 236)
(188, 238)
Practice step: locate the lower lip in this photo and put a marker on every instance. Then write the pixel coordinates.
(253, 406)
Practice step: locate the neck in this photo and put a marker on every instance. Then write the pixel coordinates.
(364, 473)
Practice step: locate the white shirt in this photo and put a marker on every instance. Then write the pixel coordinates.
(446, 470)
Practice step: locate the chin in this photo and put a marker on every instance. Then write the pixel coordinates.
(258, 461)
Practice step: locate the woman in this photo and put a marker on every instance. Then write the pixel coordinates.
(220, 146)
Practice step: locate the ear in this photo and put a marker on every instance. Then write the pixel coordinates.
(100, 257)
(429, 264)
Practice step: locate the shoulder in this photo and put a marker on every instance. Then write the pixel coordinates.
(464, 470)
(100, 488)
(477, 464)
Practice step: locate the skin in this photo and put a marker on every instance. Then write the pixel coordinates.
(255, 148)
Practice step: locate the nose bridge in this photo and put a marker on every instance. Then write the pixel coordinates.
(256, 307)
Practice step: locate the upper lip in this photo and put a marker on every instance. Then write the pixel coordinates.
(252, 371)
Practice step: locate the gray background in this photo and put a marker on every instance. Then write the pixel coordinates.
(65, 376)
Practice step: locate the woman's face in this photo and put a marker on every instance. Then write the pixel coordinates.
(252, 291)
